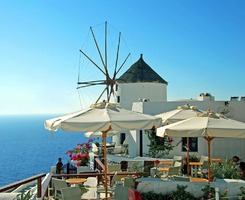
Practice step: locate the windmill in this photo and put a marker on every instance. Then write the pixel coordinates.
(109, 79)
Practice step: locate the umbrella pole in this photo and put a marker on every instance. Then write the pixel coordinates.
(104, 133)
(105, 161)
(209, 139)
(188, 156)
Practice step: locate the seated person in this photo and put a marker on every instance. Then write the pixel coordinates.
(242, 170)
(235, 160)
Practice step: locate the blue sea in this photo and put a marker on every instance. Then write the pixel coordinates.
(28, 149)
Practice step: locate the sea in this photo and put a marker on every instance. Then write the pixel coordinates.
(28, 149)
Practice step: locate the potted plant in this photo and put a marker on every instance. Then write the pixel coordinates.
(194, 158)
(80, 154)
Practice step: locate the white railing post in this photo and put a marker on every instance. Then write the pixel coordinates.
(216, 193)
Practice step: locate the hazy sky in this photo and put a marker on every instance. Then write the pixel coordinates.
(195, 45)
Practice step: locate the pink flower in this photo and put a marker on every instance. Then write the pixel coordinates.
(81, 153)
(209, 195)
(157, 162)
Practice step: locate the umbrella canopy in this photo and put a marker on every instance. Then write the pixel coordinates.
(204, 125)
(181, 113)
(208, 125)
(103, 117)
(99, 134)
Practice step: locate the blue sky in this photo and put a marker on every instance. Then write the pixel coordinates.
(195, 45)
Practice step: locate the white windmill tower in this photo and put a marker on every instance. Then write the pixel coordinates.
(140, 83)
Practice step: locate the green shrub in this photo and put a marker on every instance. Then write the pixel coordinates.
(24, 196)
(179, 194)
(224, 170)
(209, 193)
(242, 196)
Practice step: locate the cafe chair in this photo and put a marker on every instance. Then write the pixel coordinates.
(58, 185)
(172, 171)
(71, 193)
(53, 169)
(121, 193)
(114, 168)
(204, 170)
(128, 182)
(91, 186)
(81, 169)
(116, 180)
(177, 158)
(177, 164)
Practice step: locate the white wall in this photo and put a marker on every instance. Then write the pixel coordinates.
(220, 147)
(131, 92)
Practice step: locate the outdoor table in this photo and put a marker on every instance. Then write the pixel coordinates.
(163, 169)
(74, 181)
(198, 180)
(166, 163)
(194, 167)
(216, 160)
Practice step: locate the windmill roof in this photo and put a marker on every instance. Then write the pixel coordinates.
(140, 71)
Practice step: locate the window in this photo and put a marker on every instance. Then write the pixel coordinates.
(122, 138)
(118, 99)
(193, 144)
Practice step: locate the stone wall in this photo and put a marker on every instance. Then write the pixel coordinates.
(165, 186)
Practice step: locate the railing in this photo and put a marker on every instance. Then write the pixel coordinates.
(42, 187)
(28, 180)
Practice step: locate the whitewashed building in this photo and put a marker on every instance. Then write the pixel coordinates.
(141, 89)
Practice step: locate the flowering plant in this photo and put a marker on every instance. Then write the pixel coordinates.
(159, 146)
(209, 193)
(80, 153)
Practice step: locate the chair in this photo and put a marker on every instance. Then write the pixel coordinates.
(121, 193)
(177, 164)
(134, 166)
(114, 168)
(81, 169)
(177, 158)
(204, 169)
(203, 158)
(172, 171)
(128, 182)
(110, 188)
(53, 169)
(58, 185)
(116, 180)
(91, 185)
(71, 193)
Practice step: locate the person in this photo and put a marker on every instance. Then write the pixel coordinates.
(59, 166)
(184, 165)
(242, 170)
(235, 160)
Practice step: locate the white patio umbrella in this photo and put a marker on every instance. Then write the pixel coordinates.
(208, 126)
(103, 117)
(181, 113)
(100, 134)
